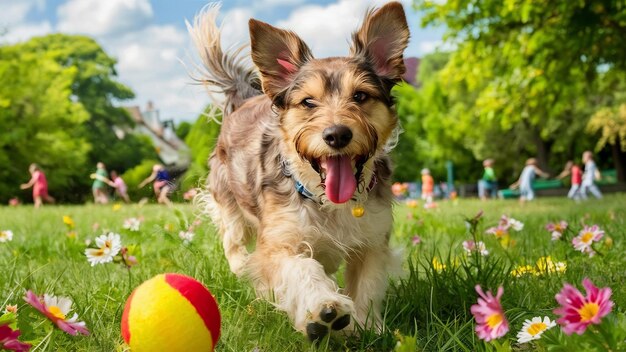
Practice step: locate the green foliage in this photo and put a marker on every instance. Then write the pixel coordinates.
(521, 82)
(182, 130)
(56, 102)
(38, 118)
(201, 140)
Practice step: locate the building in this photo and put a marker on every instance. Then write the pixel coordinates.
(172, 151)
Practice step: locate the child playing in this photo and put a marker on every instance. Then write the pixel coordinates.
(39, 183)
(589, 176)
(120, 186)
(573, 169)
(526, 179)
(100, 178)
(162, 184)
(488, 182)
(428, 185)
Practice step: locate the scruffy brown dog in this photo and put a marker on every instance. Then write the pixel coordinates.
(301, 167)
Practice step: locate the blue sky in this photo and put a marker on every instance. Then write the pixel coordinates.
(149, 39)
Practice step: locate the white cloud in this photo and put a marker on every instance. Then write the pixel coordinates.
(13, 16)
(103, 17)
(23, 32)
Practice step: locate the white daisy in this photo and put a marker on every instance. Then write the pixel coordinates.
(516, 224)
(108, 246)
(6, 235)
(532, 329)
(59, 306)
(132, 224)
(186, 236)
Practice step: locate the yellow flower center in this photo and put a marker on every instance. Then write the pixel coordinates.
(536, 328)
(558, 228)
(499, 233)
(56, 311)
(587, 236)
(494, 320)
(588, 311)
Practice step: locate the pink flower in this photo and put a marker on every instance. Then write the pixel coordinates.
(416, 240)
(128, 260)
(490, 319)
(471, 246)
(557, 229)
(56, 309)
(578, 311)
(9, 341)
(498, 231)
(586, 237)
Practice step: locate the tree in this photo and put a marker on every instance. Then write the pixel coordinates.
(96, 88)
(527, 66)
(37, 115)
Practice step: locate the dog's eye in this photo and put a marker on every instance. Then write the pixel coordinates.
(308, 103)
(359, 97)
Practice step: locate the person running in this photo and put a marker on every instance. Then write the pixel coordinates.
(162, 184)
(488, 183)
(120, 186)
(39, 183)
(576, 172)
(98, 188)
(428, 186)
(590, 175)
(525, 181)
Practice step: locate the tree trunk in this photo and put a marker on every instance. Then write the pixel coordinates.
(543, 152)
(619, 160)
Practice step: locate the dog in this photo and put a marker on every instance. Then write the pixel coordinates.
(301, 166)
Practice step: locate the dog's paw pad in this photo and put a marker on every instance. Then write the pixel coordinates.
(328, 314)
(316, 331)
(341, 322)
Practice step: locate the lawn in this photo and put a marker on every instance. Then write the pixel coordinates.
(427, 307)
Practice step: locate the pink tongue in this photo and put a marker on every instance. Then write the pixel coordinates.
(340, 182)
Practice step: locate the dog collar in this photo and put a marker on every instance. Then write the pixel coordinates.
(304, 192)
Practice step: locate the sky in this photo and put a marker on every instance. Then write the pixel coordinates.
(150, 41)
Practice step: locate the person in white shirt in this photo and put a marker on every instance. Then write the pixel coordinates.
(590, 175)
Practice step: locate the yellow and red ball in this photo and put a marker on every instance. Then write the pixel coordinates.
(171, 312)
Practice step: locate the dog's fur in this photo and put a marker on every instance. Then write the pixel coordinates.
(271, 139)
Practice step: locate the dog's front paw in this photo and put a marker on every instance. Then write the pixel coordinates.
(334, 314)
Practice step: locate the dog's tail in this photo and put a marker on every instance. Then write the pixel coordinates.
(223, 73)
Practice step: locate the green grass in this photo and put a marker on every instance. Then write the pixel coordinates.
(426, 304)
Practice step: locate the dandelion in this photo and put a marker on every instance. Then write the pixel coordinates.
(57, 309)
(6, 235)
(546, 265)
(186, 236)
(533, 329)
(411, 203)
(67, 220)
(108, 246)
(522, 270)
(117, 206)
(490, 319)
(498, 231)
(585, 239)
(437, 265)
(470, 246)
(132, 224)
(9, 340)
(557, 229)
(415, 240)
(11, 309)
(578, 311)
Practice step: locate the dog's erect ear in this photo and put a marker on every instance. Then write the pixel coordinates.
(381, 40)
(278, 54)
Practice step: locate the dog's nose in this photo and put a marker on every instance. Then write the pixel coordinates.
(337, 136)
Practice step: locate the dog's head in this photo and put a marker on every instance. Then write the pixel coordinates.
(336, 114)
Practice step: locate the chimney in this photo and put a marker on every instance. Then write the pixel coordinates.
(150, 106)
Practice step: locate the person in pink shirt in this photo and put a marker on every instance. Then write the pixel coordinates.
(39, 184)
(120, 186)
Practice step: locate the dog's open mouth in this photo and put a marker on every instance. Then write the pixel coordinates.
(339, 175)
